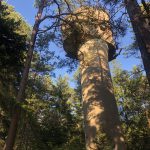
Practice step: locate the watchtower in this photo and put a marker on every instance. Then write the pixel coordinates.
(88, 38)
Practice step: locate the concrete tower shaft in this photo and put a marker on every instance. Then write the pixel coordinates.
(88, 38)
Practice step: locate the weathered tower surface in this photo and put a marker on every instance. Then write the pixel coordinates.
(88, 38)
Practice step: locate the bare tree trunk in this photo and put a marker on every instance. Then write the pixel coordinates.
(99, 105)
(141, 28)
(20, 97)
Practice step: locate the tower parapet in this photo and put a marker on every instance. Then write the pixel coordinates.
(88, 23)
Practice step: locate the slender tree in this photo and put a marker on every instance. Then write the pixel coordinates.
(20, 97)
(141, 28)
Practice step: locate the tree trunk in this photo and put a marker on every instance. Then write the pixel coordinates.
(141, 28)
(99, 105)
(20, 97)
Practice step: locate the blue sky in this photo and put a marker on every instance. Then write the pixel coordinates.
(27, 10)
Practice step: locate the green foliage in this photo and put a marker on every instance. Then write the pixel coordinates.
(51, 119)
(103, 142)
(13, 36)
(14, 32)
(132, 93)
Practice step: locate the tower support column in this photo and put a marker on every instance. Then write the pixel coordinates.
(101, 117)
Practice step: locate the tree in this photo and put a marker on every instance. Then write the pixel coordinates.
(142, 31)
(15, 118)
(51, 117)
(132, 93)
(13, 39)
(13, 36)
(140, 23)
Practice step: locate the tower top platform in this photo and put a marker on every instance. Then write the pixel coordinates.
(87, 23)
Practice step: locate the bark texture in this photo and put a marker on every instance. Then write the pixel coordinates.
(20, 97)
(141, 28)
(99, 105)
